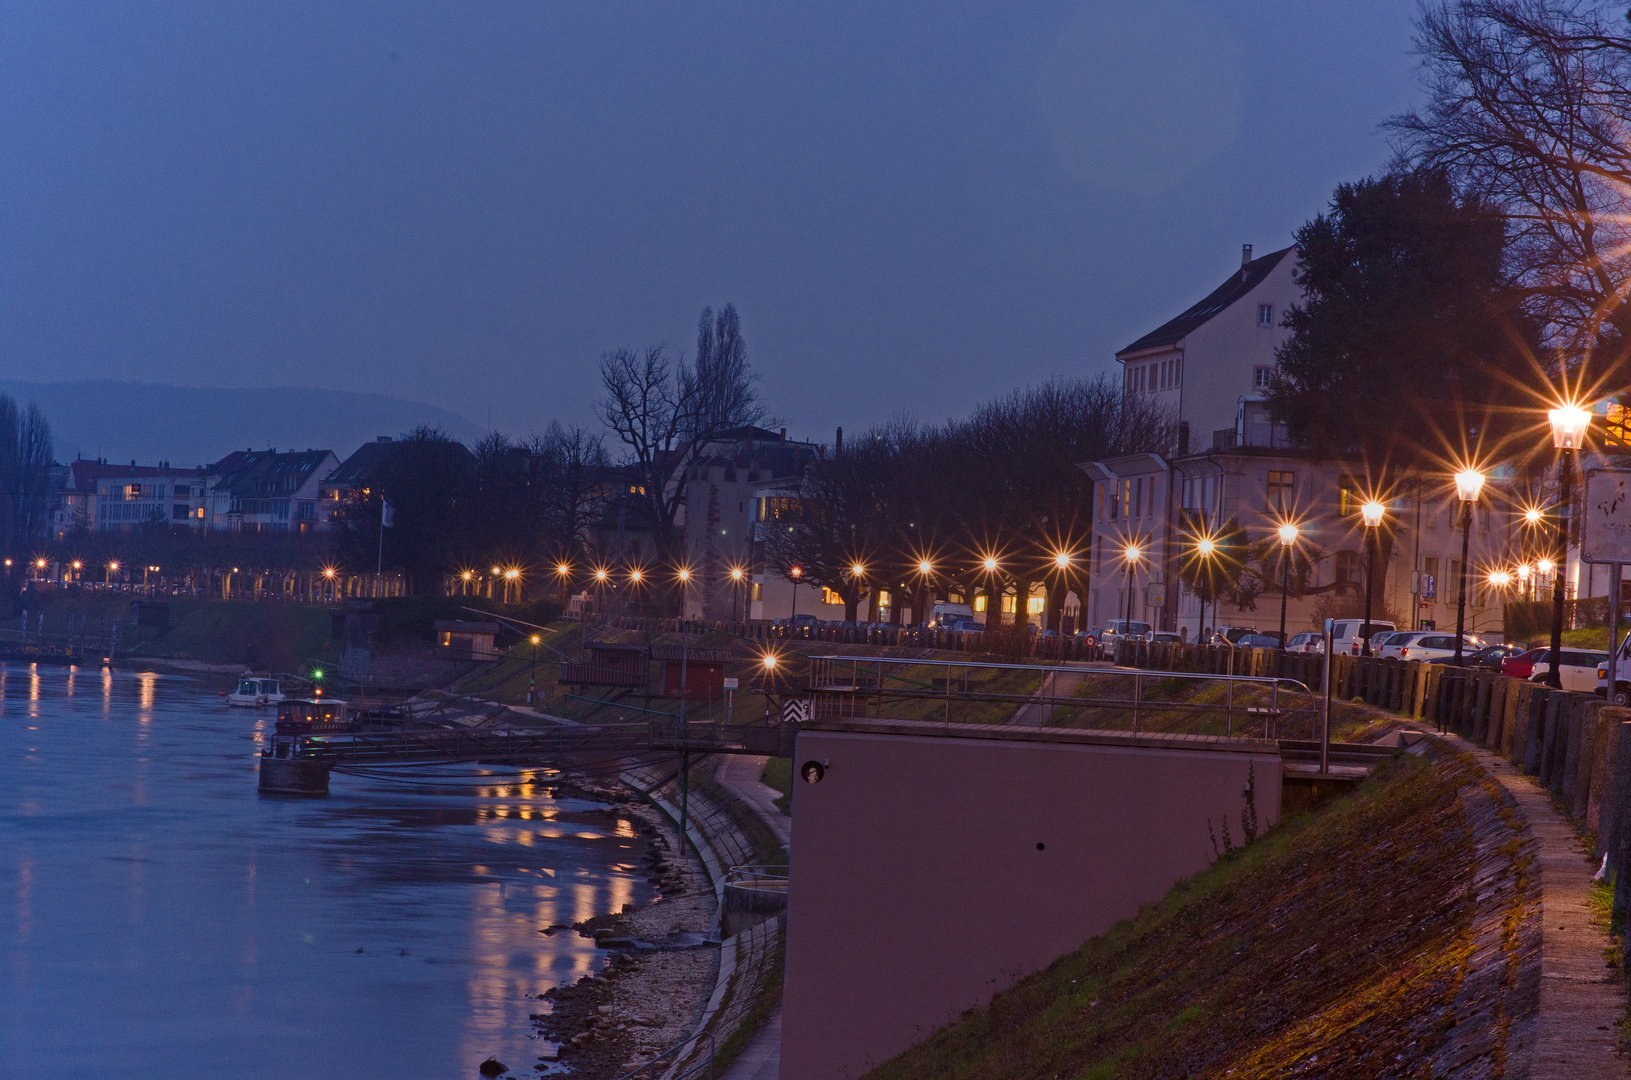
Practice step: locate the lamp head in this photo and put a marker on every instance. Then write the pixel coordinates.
(1468, 483)
(1532, 516)
(1544, 566)
(770, 662)
(990, 564)
(684, 575)
(1288, 534)
(635, 575)
(796, 572)
(1372, 513)
(1523, 571)
(563, 569)
(925, 567)
(512, 573)
(601, 575)
(858, 570)
(1206, 547)
(1131, 553)
(114, 565)
(536, 639)
(1569, 425)
(736, 573)
(1062, 560)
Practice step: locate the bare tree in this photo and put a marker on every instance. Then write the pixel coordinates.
(1528, 108)
(666, 414)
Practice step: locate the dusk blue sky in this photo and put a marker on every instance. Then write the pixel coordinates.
(914, 206)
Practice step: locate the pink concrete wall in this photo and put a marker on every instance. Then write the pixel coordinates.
(918, 889)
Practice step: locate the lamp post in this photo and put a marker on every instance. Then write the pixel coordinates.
(1523, 580)
(925, 592)
(736, 587)
(1206, 548)
(794, 573)
(1288, 538)
(1468, 483)
(532, 679)
(1569, 425)
(1371, 514)
(563, 574)
(1061, 563)
(990, 566)
(1130, 554)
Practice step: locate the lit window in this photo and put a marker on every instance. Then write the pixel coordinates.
(1265, 314)
(1261, 375)
(1033, 605)
(1282, 490)
(979, 603)
(830, 597)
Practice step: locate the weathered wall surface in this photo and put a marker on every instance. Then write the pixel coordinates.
(933, 871)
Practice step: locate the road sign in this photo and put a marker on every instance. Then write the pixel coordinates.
(1605, 534)
(731, 684)
(1089, 640)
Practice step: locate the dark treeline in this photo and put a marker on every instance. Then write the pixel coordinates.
(987, 505)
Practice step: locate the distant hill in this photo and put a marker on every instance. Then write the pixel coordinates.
(187, 425)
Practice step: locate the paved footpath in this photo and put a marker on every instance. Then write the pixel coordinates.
(761, 1058)
(1581, 998)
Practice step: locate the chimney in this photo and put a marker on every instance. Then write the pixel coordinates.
(838, 446)
(784, 434)
(1245, 254)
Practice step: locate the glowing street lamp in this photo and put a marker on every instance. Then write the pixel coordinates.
(738, 577)
(1206, 548)
(1569, 426)
(1130, 556)
(1371, 514)
(1468, 483)
(1288, 538)
(794, 574)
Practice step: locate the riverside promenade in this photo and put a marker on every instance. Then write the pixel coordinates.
(1582, 996)
(761, 1060)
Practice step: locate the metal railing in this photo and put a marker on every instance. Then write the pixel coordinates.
(767, 877)
(676, 1064)
(863, 687)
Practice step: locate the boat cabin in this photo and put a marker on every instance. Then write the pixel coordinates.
(304, 716)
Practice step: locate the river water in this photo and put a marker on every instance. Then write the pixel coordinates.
(159, 918)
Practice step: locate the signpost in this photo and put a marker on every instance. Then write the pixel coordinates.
(1605, 537)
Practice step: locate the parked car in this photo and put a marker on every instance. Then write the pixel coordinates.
(1254, 640)
(1430, 646)
(1162, 637)
(965, 626)
(1578, 671)
(1522, 665)
(1116, 628)
(1379, 640)
(1306, 642)
(1347, 635)
(1231, 635)
(1622, 676)
(1492, 657)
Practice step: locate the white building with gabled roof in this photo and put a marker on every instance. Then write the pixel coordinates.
(1209, 367)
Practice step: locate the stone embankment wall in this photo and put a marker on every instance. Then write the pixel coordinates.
(1577, 745)
(750, 962)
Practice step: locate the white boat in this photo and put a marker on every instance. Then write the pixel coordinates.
(254, 692)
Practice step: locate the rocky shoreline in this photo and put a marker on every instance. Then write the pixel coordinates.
(653, 989)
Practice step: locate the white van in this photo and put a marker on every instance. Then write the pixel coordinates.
(1347, 635)
(945, 613)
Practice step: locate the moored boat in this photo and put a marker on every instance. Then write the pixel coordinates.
(253, 692)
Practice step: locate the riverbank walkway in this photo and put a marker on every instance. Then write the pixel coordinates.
(1582, 997)
(761, 1059)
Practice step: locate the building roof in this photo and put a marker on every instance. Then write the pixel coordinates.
(248, 473)
(354, 470)
(694, 655)
(83, 474)
(458, 626)
(1241, 282)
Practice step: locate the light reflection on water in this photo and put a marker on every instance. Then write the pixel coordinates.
(159, 918)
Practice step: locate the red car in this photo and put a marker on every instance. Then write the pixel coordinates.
(1523, 665)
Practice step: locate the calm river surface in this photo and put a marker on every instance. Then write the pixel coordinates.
(158, 918)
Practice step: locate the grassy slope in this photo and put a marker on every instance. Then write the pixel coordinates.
(1340, 934)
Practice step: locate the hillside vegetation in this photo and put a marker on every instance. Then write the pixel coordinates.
(1333, 946)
